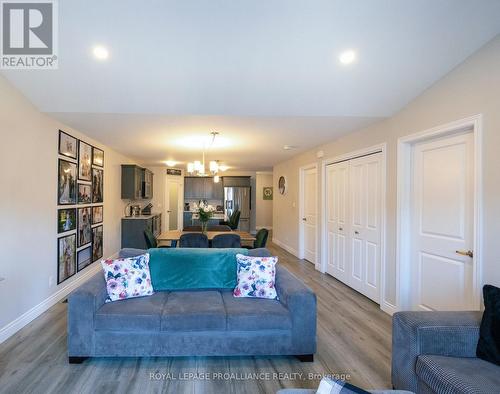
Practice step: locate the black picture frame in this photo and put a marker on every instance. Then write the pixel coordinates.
(97, 214)
(97, 157)
(82, 261)
(66, 257)
(97, 185)
(84, 161)
(84, 226)
(66, 220)
(66, 182)
(67, 150)
(97, 242)
(84, 193)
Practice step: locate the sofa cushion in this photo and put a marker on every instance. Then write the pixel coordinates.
(458, 374)
(488, 346)
(250, 314)
(134, 314)
(127, 277)
(193, 311)
(256, 277)
(195, 269)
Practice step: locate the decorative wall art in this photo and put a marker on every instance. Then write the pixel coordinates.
(84, 161)
(97, 157)
(66, 187)
(84, 258)
(66, 220)
(84, 193)
(67, 145)
(97, 243)
(282, 185)
(84, 232)
(97, 185)
(97, 214)
(267, 193)
(66, 257)
(80, 183)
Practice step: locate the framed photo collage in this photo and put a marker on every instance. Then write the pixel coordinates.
(80, 209)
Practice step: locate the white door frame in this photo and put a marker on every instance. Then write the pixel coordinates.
(302, 170)
(403, 244)
(382, 148)
(180, 202)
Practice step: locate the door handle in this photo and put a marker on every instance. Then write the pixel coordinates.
(304, 219)
(341, 229)
(469, 253)
(356, 232)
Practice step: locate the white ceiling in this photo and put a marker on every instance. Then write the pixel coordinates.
(261, 71)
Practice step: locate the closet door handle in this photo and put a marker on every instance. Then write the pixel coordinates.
(341, 229)
(356, 232)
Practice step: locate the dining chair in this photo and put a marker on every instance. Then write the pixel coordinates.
(260, 239)
(219, 227)
(226, 241)
(193, 240)
(234, 220)
(151, 241)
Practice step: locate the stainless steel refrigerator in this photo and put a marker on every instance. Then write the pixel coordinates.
(238, 198)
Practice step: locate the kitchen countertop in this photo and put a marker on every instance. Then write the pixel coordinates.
(141, 216)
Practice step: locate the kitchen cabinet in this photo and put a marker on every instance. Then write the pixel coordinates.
(137, 183)
(202, 188)
(147, 184)
(218, 191)
(133, 230)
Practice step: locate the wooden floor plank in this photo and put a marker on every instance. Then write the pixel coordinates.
(354, 337)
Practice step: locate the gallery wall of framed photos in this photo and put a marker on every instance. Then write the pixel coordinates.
(80, 209)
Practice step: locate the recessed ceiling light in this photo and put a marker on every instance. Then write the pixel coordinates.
(289, 147)
(347, 57)
(170, 163)
(101, 52)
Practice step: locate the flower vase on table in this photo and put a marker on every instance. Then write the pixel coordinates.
(205, 212)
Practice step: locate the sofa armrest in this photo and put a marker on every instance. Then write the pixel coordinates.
(300, 300)
(452, 334)
(82, 305)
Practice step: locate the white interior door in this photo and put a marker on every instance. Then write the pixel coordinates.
(337, 189)
(174, 196)
(365, 224)
(442, 224)
(309, 213)
(354, 223)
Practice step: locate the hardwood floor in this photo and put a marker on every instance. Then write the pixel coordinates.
(354, 338)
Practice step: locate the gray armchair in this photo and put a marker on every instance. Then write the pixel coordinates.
(435, 352)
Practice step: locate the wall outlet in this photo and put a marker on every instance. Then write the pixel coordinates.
(51, 281)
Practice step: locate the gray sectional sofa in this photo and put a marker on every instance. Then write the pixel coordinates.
(435, 352)
(192, 323)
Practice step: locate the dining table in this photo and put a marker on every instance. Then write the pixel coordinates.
(174, 235)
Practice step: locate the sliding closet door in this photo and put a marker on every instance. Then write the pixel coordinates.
(365, 224)
(337, 197)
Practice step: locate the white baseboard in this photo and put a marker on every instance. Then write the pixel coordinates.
(10, 329)
(388, 308)
(283, 245)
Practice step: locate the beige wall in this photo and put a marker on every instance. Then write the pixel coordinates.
(28, 205)
(264, 208)
(472, 88)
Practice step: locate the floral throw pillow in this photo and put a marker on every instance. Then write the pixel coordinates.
(127, 277)
(256, 277)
